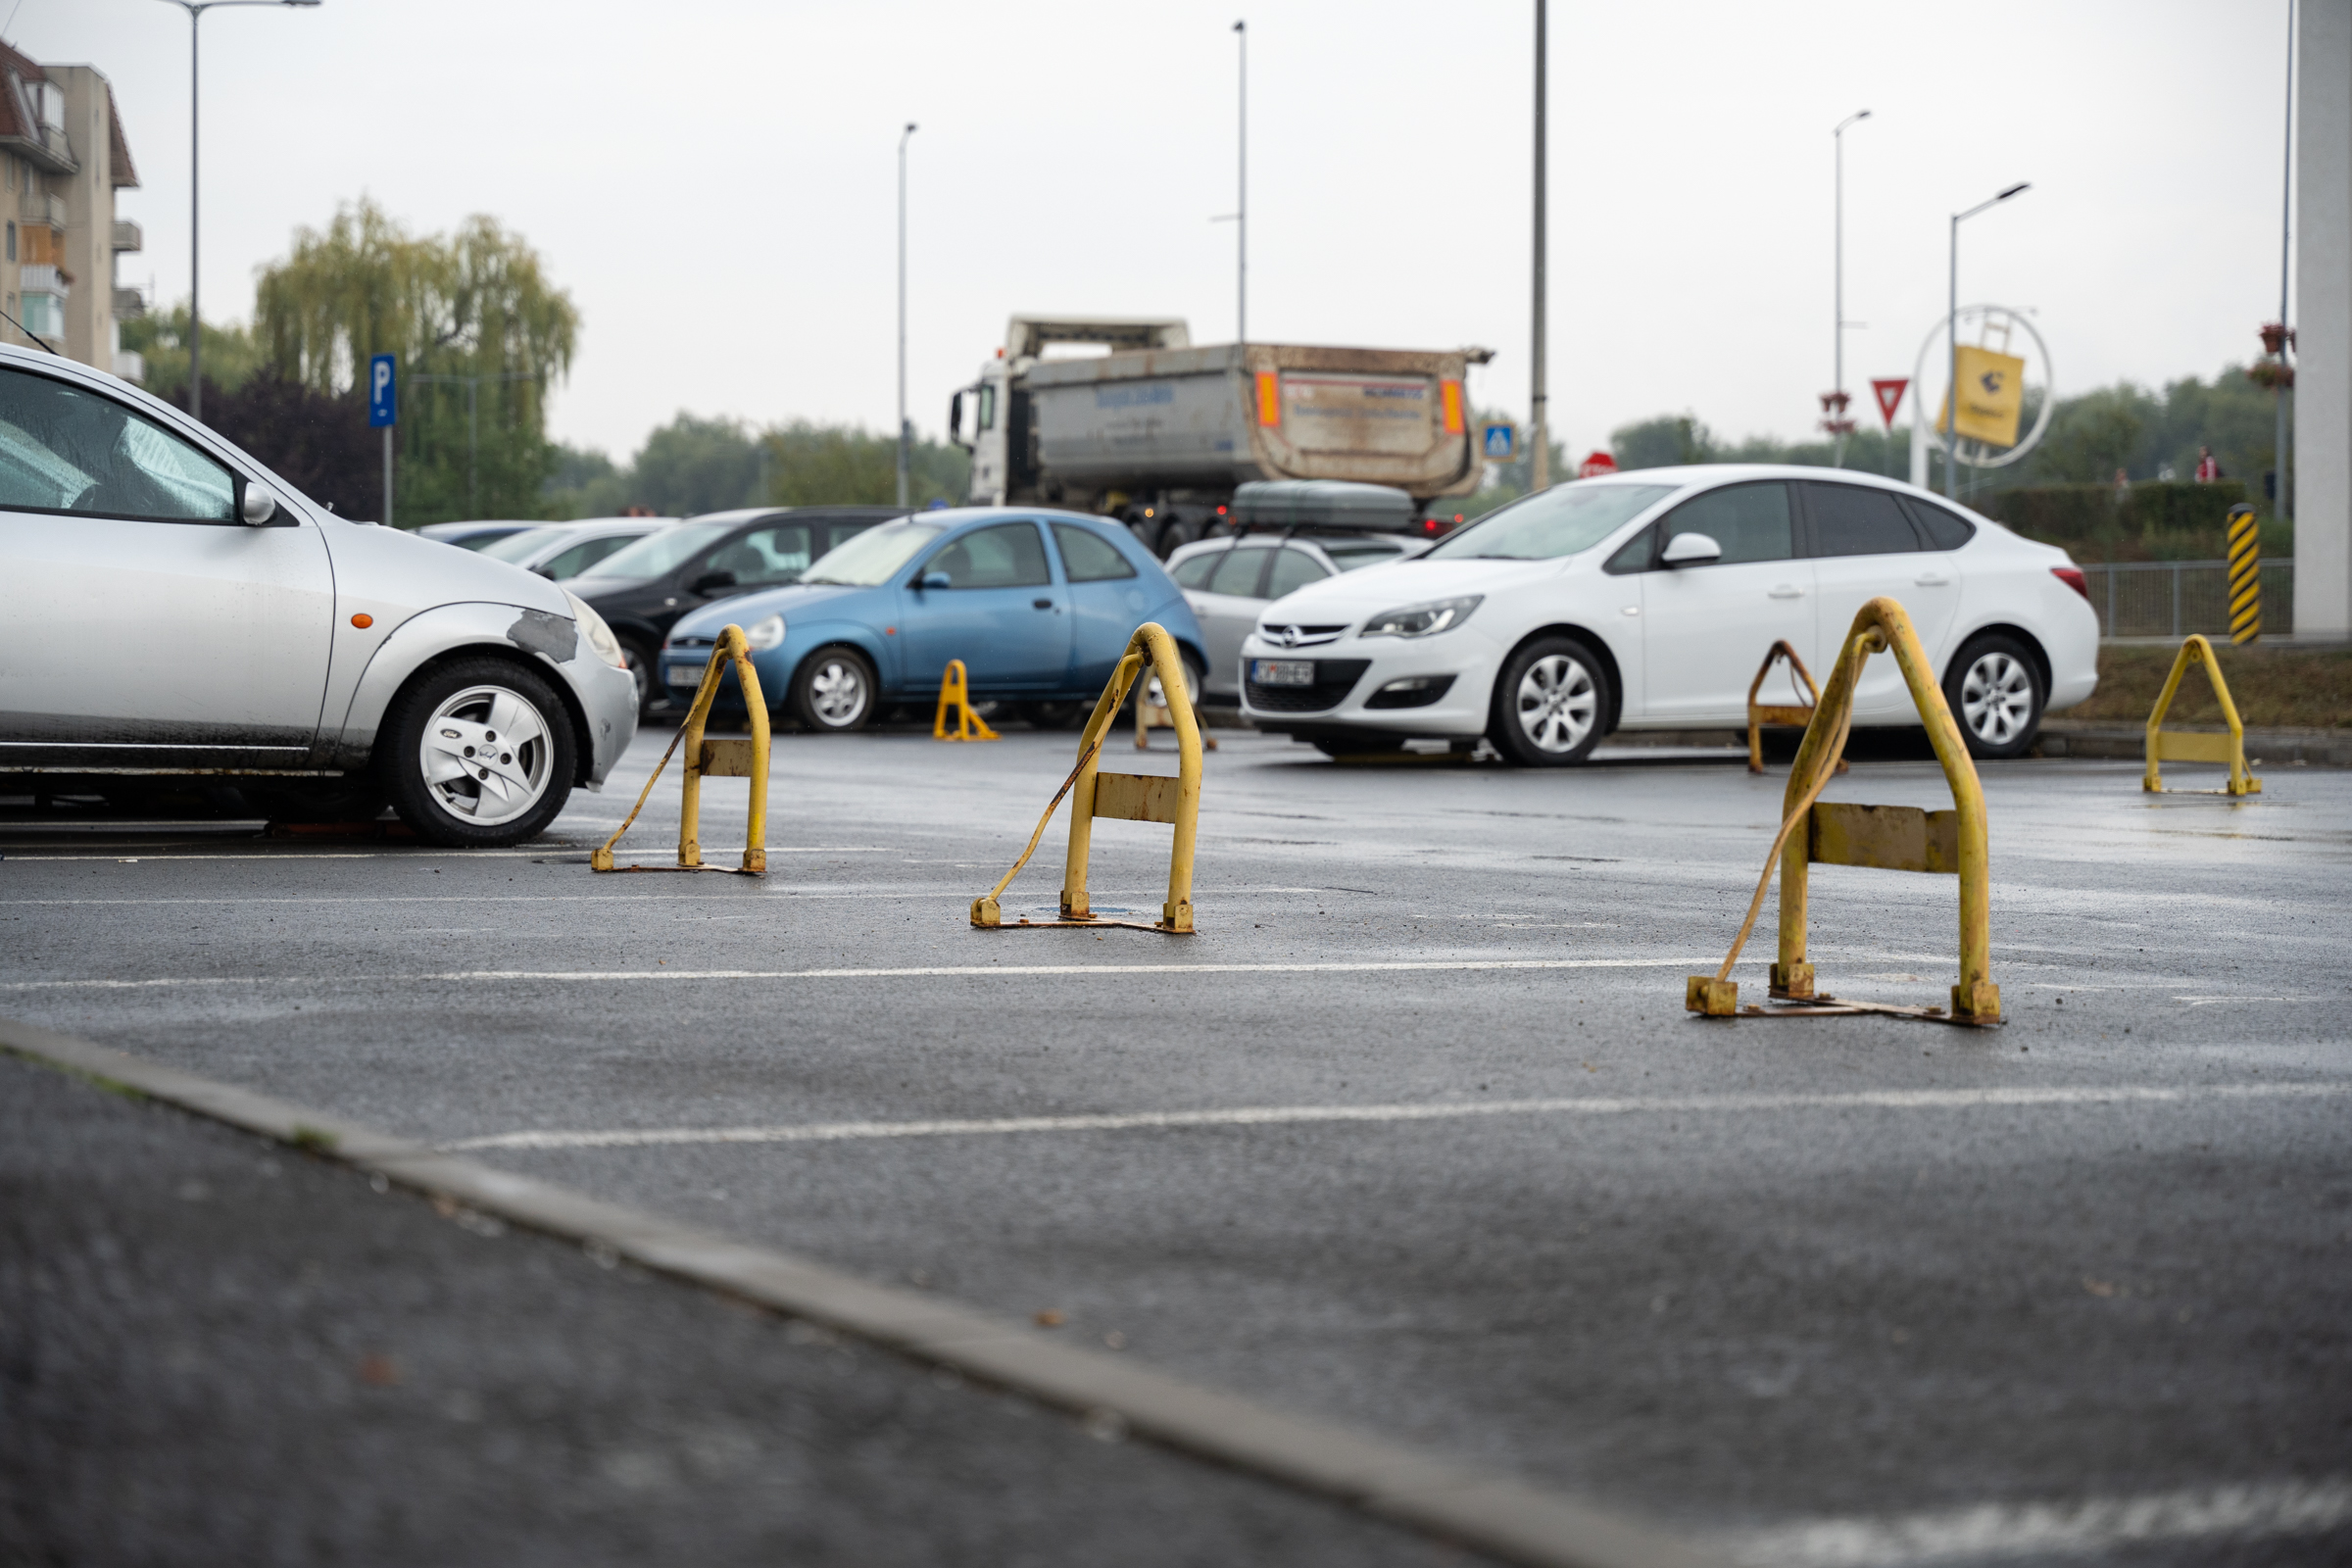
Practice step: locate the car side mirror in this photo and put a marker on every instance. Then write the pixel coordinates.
(711, 582)
(935, 579)
(257, 505)
(1690, 550)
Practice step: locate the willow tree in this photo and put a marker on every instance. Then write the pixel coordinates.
(480, 333)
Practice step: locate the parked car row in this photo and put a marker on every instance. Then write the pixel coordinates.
(344, 665)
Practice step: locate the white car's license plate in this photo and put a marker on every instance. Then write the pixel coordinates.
(1283, 672)
(682, 675)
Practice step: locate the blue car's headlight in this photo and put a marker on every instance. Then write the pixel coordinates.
(763, 634)
(1422, 619)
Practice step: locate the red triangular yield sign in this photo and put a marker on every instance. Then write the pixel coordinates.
(1889, 391)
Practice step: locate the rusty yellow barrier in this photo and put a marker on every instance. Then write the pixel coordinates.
(706, 759)
(955, 698)
(1898, 838)
(2179, 746)
(1135, 798)
(1152, 712)
(1759, 714)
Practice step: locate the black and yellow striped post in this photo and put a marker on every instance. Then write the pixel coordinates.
(2245, 575)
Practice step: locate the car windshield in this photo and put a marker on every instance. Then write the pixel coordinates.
(868, 559)
(667, 550)
(522, 546)
(1560, 521)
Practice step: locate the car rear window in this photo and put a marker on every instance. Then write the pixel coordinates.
(1087, 557)
(1946, 529)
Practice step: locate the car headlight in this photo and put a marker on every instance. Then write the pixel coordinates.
(1422, 619)
(762, 635)
(600, 635)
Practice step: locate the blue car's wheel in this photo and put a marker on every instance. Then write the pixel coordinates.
(834, 691)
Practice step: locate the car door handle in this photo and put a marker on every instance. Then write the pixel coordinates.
(1786, 590)
(1933, 579)
(1041, 604)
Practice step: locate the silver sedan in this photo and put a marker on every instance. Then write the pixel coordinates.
(1229, 582)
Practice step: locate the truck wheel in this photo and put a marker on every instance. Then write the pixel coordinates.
(1994, 690)
(478, 753)
(1549, 703)
(833, 692)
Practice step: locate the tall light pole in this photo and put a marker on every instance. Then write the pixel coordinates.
(902, 136)
(1837, 377)
(1951, 333)
(1541, 473)
(2286, 207)
(196, 10)
(1240, 212)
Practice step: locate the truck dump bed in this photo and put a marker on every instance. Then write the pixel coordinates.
(1228, 414)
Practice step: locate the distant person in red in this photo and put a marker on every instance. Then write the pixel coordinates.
(2208, 468)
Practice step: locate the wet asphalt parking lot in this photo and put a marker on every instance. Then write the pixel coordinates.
(1449, 1163)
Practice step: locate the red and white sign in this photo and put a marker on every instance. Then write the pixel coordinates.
(1889, 392)
(1596, 462)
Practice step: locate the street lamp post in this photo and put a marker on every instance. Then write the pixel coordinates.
(1240, 212)
(902, 136)
(1540, 473)
(2284, 507)
(196, 10)
(1838, 375)
(1951, 333)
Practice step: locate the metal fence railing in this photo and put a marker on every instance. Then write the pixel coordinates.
(2174, 598)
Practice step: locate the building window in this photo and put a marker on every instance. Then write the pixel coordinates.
(12, 242)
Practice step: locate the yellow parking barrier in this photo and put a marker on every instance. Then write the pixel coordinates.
(706, 759)
(1134, 797)
(2245, 575)
(1152, 712)
(1798, 714)
(1894, 838)
(956, 696)
(2178, 745)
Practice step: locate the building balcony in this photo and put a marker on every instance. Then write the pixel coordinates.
(48, 210)
(129, 305)
(128, 236)
(130, 365)
(43, 277)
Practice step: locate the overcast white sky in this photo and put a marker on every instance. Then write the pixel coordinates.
(712, 181)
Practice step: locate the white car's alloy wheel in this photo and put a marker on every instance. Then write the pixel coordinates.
(1996, 698)
(487, 756)
(837, 692)
(1556, 703)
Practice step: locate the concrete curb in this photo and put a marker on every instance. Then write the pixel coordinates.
(2275, 747)
(1488, 1511)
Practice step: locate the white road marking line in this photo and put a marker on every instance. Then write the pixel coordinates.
(928, 972)
(2207, 1002)
(957, 892)
(2092, 1525)
(711, 853)
(1292, 1115)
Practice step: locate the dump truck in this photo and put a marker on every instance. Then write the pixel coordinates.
(1157, 432)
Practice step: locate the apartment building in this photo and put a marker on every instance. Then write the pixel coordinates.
(64, 158)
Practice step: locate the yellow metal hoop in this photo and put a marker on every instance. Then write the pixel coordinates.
(706, 759)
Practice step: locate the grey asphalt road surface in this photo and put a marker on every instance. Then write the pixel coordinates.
(1414, 1134)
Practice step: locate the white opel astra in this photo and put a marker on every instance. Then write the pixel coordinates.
(1647, 600)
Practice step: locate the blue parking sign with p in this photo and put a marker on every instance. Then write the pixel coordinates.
(1502, 443)
(383, 391)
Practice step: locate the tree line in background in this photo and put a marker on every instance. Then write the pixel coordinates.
(695, 465)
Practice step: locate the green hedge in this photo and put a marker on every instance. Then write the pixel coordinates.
(2153, 522)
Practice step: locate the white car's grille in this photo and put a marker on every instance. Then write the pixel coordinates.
(1289, 634)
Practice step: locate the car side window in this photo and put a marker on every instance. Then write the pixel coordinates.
(62, 449)
(1236, 572)
(1946, 530)
(1006, 555)
(1293, 571)
(1851, 521)
(1193, 572)
(579, 558)
(1750, 521)
(764, 557)
(1087, 557)
(1637, 554)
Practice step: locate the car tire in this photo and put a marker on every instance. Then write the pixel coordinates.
(1551, 704)
(1994, 688)
(1195, 676)
(834, 691)
(643, 667)
(476, 754)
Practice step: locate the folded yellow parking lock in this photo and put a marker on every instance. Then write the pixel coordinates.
(1135, 796)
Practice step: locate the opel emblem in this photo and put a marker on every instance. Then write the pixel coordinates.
(1286, 636)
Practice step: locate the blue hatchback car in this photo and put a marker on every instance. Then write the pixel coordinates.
(1037, 605)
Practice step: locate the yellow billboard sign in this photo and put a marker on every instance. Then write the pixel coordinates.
(1992, 397)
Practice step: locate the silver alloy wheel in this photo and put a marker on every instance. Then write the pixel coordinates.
(837, 693)
(487, 756)
(1557, 703)
(1996, 698)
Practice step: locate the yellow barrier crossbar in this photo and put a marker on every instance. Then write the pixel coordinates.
(1886, 836)
(2177, 746)
(709, 759)
(1128, 796)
